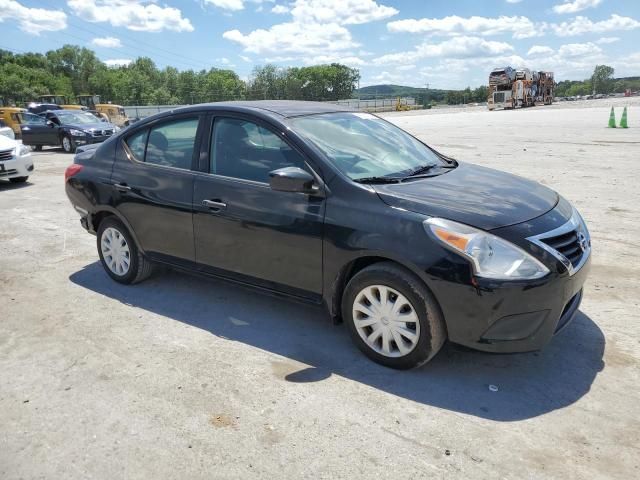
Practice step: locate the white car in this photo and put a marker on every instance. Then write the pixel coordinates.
(6, 131)
(16, 163)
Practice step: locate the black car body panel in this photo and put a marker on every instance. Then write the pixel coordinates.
(307, 245)
(484, 198)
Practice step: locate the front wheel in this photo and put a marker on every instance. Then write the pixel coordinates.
(392, 317)
(67, 144)
(119, 254)
(38, 148)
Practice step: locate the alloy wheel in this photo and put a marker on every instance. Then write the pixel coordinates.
(386, 321)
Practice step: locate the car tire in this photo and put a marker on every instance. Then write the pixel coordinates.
(401, 286)
(115, 244)
(67, 144)
(38, 148)
(18, 179)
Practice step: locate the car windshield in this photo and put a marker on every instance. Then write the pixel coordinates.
(362, 145)
(76, 118)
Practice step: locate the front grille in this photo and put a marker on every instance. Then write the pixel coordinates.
(6, 154)
(498, 97)
(102, 133)
(568, 244)
(8, 172)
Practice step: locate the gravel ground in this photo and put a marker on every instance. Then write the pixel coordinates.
(184, 377)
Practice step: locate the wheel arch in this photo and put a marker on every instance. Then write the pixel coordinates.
(100, 214)
(355, 265)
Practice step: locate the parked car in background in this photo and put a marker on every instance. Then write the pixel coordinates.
(16, 163)
(66, 128)
(39, 108)
(6, 131)
(311, 200)
(12, 117)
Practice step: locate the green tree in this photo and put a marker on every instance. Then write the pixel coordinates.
(602, 79)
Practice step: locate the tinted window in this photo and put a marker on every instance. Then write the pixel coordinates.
(137, 143)
(242, 149)
(171, 144)
(31, 119)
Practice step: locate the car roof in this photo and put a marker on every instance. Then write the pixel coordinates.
(283, 108)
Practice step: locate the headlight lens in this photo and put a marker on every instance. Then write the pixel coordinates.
(77, 133)
(22, 150)
(492, 257)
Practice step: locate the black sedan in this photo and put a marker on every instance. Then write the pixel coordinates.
(66, 128)
(407, 246)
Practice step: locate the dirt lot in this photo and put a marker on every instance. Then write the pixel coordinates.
(184, 377)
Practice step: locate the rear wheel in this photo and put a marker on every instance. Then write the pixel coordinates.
(119, 255)
(18, 179)
(392, 317)
(38, 148)
(67, 144)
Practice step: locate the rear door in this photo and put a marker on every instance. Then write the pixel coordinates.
(36, 131)
(247, 231)
(153, 186)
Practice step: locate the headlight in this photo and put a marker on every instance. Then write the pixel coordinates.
(116, 129)
(492, 257)
(77, 133)
(22, 150)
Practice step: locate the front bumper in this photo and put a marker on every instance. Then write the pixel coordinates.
(89, 139)
(515, 316)
(16, 167)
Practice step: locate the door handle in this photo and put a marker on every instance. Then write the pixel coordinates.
(122, 187)
(214, 205)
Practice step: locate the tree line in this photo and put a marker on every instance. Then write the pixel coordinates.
(73, 70)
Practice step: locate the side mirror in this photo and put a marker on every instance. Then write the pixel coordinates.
(50, 124)
(292, 179)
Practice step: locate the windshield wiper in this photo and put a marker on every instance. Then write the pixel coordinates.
(378, 180)
(421, 169)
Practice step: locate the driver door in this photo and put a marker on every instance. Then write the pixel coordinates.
(36, 131)
(245, 230)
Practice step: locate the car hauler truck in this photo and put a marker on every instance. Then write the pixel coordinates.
(509, 88)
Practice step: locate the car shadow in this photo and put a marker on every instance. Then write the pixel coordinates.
(7, 185)
(457, 379)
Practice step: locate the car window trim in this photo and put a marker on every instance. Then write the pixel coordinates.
(200, 116)
(261, 123)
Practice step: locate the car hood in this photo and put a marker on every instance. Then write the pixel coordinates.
(91, 126)
(7, 143)
(473, 195)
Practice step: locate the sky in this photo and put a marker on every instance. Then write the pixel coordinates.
(442, 44)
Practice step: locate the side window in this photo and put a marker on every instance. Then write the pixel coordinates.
(242, 149)
(171, 144)
(31, 119)
(137, 143)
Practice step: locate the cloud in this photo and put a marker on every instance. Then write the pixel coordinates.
(456, 47)
(317, 28)
(118, 62)
(244, 58)
(537, 50)
(343, 12)
(575, 6)
(138, 15)
(32, 20)
(579, 50)
(518, 26)
(233, 5)
(605, 40)
(294, 37)
(107, 42)
(514, 1)
(280, 9)
(350, 61)
(581, 25)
